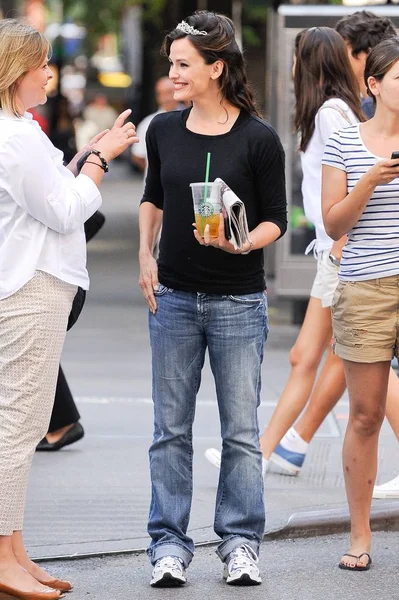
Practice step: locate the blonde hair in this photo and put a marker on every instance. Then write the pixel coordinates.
(22, 48)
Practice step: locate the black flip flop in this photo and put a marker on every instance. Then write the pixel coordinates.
(356, 568)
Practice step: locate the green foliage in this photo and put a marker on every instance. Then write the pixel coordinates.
(153, 12)
(254, 19)
(256, 12)
(250, 37)
(100, 17)
(104, 16)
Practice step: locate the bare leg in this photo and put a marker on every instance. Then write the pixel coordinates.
(329, 388)
(367, 387)
(305, 357)
(24, 561)
(392, 407)
(12, 573)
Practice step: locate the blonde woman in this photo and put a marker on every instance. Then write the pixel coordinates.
(43, 207)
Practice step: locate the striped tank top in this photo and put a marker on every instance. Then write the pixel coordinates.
(372, 250)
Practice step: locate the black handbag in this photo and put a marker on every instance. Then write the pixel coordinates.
(94, 224)
(92, 227)
(77, 306)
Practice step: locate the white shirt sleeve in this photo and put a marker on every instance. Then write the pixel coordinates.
(33, 180)
(329, 120)
(140, 148)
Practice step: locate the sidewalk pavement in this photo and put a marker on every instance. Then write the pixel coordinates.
(299, 569)
(93, 497)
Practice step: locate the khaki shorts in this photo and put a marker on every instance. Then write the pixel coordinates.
(365, 320)
(326, 280)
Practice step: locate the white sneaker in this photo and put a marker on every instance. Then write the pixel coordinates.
(168, 571)
(214, 456)
(387, 490)
(290, 462)
(241, 567)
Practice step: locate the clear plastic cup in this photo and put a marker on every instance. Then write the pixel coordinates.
(207, 209)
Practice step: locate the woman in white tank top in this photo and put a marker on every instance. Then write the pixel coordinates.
(327, 99)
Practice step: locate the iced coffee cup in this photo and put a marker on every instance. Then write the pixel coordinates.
(207, 207)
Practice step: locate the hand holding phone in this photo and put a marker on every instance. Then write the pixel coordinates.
(395, 155)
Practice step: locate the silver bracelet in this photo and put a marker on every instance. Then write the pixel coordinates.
(334, 260)
(251, 246)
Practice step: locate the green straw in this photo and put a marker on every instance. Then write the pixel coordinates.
(207, 168)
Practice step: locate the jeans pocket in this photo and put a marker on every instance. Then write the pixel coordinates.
(332, 267)
(249, 299)
(162, 289)
(337, 295)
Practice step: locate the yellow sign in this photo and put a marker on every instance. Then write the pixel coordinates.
(116, 79)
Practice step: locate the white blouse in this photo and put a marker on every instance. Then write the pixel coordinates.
(43, 208)
(328, 119)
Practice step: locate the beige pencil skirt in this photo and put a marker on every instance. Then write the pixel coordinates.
(32, 331)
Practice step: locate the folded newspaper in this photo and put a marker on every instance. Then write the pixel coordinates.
(235, 217)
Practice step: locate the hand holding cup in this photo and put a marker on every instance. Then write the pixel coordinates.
(207, 207)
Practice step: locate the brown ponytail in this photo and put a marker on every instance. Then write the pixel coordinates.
(322, 71)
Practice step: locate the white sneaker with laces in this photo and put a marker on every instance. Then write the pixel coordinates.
(387, 490)
(168, 571)
(241, 568)
(214, 456)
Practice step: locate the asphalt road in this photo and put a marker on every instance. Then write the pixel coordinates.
(304, 569)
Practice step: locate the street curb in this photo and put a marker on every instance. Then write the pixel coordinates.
(313, 523)
(326, 522)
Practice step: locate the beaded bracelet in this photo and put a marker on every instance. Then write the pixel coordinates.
(91, 162)
(104, 164)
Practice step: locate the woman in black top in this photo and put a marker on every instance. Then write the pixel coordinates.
(202, 293)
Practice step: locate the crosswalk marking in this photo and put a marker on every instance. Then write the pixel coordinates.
(329, 429)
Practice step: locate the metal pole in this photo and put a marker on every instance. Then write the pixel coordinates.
(236, 13)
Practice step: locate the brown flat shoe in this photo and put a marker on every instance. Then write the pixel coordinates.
(57, 584)
(10, 593)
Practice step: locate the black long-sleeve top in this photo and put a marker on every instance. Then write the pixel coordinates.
(250, 159)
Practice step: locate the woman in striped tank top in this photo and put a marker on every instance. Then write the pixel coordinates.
(360, 198)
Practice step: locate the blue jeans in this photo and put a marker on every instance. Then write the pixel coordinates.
(234, 329)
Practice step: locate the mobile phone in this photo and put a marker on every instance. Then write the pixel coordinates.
(82, 161)
(393, 156)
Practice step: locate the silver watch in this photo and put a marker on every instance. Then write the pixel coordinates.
(334, 260)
